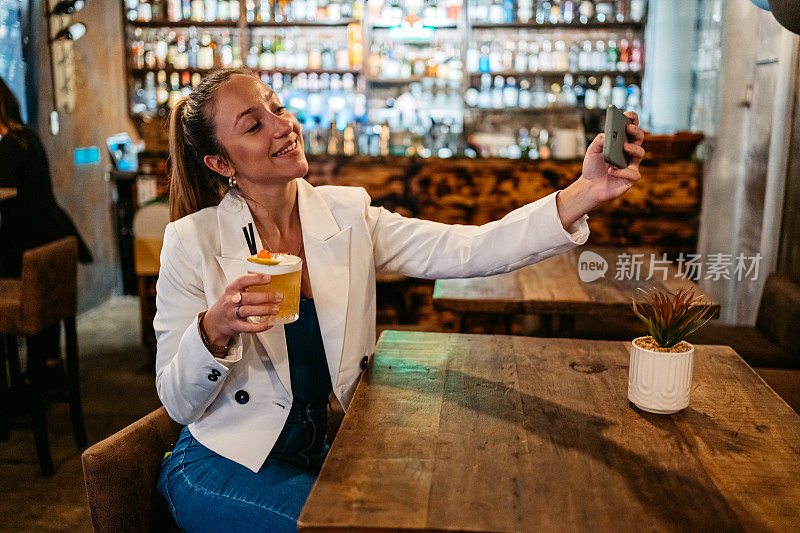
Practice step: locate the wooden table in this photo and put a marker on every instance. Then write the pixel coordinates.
(553, 287)
(7, 193)
(508, 433)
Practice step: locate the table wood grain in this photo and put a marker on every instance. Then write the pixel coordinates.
(554, 286)
(7, 193)
(452, 432)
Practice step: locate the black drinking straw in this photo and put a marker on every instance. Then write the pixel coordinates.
(250, 237)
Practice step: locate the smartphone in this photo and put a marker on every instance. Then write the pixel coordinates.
(616, 137)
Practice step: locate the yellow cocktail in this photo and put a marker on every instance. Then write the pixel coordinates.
(284, 271)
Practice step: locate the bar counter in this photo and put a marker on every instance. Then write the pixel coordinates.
(662, 210)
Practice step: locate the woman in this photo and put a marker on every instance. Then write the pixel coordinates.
(32, 218)
(253, 396)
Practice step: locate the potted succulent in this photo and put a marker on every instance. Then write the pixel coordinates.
(660, 373)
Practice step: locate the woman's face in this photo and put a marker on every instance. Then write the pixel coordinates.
(262, 138)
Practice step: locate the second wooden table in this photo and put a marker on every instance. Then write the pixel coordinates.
(554, 286)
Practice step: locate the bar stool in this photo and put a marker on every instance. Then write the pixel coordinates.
(46, 294)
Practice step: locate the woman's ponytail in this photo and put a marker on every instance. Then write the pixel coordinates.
(194, 186)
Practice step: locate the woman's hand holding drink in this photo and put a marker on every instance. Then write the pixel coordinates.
(228, 316)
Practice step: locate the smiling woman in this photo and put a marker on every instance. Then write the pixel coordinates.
(254, 397)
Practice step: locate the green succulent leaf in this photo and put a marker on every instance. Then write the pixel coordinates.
(670, 317)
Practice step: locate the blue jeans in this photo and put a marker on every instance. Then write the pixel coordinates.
(207, 492)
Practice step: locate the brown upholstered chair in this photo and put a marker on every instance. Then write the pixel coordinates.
(121, 472)
(45, 294)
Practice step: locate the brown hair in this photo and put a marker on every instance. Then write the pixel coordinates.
(10, 118)
(194, 186)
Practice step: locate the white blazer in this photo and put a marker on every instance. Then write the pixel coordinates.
(346, 242)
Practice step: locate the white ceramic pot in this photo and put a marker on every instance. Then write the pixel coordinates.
(659, 382)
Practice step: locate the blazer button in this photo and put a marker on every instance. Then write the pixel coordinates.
(242, 397)
(212, 377)
(216, 372)
(364, 363)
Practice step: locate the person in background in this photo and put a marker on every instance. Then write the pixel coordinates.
(253, 401)
(32, 218)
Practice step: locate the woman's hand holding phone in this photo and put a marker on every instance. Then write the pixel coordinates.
(601, 182)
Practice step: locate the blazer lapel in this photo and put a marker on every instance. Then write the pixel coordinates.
(327, 249)
(233, 214)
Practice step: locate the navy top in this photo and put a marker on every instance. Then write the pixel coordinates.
(308, 367)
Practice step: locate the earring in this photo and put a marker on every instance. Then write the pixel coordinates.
(232, 182)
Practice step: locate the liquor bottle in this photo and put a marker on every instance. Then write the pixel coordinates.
(174, 13)
(150, 97)
(162, 93)
(623, 10)
(210, 10)
(619, 93)
(533, 56)
(264, 14)
(525, 94)
(144, 13)
(612, 55)
(542, 11)
(634, 98)
(636, 56)
(539, 96)
(599, 56)
(473, 59)
(483, 62)
(160, 51)
(586, 11)
(266, 59)
(546, 56)
(569, 99)
(556, 14)
(604, 93)
(570, 11)
(624, 55)
(573, 57)
(485, 96)
(496, 12)
(525, 10)
(355, 46)
(510, 93)
(508, 56)
(508, 10)
(174, 90)
(544, 144)
(604, 11)
(637, 10)
(471, 96)
(233, 9)
(206, 58)
(521, 57)
(198, 10)
(560, 60)
(580, 92)
(186, 9)
(226, 51)
(585, 56)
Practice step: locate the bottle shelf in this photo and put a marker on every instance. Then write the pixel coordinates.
(404, 81)
(436, 25)
(304, 23)
(293, 71)
(183, 24)
(537, 110)
(631, 25)
(549, 74)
